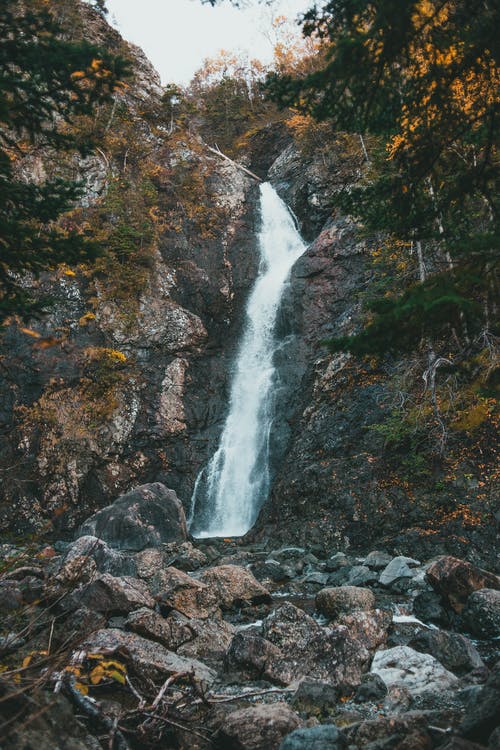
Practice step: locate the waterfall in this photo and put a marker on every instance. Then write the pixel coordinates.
(230, 490)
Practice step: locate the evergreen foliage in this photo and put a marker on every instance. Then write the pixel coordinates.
(45, 81)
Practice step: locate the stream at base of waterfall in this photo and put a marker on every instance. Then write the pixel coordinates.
(232, 487)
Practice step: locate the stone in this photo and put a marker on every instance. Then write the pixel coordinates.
(172, 631)
(361, 575)
(482, 715)
(324, 737)
(336, 561)
(210, 641)
(372, 688)
(149, 561)
(456, 579)
(185, 556)
(148, 660)
(429, 607)
(260, 727)
(175, 589)
(76, 571)
(481, 614)
(271, 570)
(369, 628)
(11, 597)
(314, 697)
(107, 560)
(113, 595)
(234, 586)
(83, 621)
(340, 600)
(399, 567)
(419, 673)
(453, 650)
(289, 625)
(405, 732)
(257, 658)
(377, 559)
(145, 517)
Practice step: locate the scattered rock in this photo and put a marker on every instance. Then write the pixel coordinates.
(149, 660)
(361, 575)
(339, 560)
(271, 570)
(481, 614)
(107, 560)
(398, 568)
(377, 560)
(429, 607)
(369, 628)
(185, 556)
(210, 641)
(234, 586)
(324, 737)
(257, 658)
(452, 650)
(419, 673)
(340, 600)
(10, 596)
(260, 727)
(145, 517)
(171, 631)
(405, 732)
(111, 594)
(314, 697)
(482, 715)
(372, 689)
(456, 579)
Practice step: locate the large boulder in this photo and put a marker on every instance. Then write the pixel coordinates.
(323, 737)
(148, 660)
(176, 590)
(418, 673)
(171, 631)
(341, 600)
(145, 517)
(482, 714)
(452, 650)
(369, 628)
(260, 727)
(112, 595)
(233, 586)
(107, 560)
(481, 614)
(456, 579)
(256, 659)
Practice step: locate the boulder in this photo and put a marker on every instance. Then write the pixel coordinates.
(176, 590)
(339, 560)
(405, 732)
(482, 715)
(234, 586)
(260, 727)
(361, 575)
(377, 560)
(429, 607)
(314, 697)
(271, 570)
(481, 614)
(107, 560)
(399, 567)
(456, 579)
(369, 628)
(324, 737)
(11, 597)
(210, 641)
(288, 626)
(452, 650)
(372, 689)
(418, 673)
(257, 659)
(112, 595)
(185, 556)
(340, 600)
(171, 631)
(148, 660)
(145, 517)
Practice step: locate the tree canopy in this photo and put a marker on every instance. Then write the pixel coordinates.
(45, 80)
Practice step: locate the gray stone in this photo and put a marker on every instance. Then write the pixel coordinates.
(233, 586)
(481, 715)
(339, 560)
(107, 560)
(171, 631)
(261, 727)
(418, 673)
(112, 595)
(481, 614)
(398, 568)
(257, 658)
(324, 737)
(145, 517)
(377, 559)
(452, 650)
(315, 697)
(372, 689)
(340, 600)
(361, 575)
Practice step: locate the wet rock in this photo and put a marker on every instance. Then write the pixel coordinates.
(482, 715)
(402, 629)
(174, 589)
(260, 727)
(234, 586)
(314, 697)
(452, 650)
(372, 689)
(111, 594)
(481, 614)
(145, 517)
(107, 560)
(317, 578)
(429, 607)
(398, 568)
(456, 579)
(171, 631)
(369, 628)
(257, 658)
(148, 660)
(324, 737)
(377, 559)
(418, 673)
(333, 602)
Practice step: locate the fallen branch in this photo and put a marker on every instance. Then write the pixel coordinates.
(228, 699)
(218, 152)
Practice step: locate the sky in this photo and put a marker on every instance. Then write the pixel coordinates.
(177, 35)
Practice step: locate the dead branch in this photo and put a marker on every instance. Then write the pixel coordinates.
(218, 152)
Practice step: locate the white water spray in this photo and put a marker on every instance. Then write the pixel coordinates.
(235, 482)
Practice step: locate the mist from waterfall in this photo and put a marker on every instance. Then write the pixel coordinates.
(231, 489)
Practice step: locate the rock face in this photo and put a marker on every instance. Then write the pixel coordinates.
(145, 517)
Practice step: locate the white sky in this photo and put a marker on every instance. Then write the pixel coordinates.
(177, 35)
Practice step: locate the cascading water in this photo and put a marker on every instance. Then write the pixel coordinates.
(230, 490)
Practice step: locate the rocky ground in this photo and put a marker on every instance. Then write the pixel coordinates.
(135, 636)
